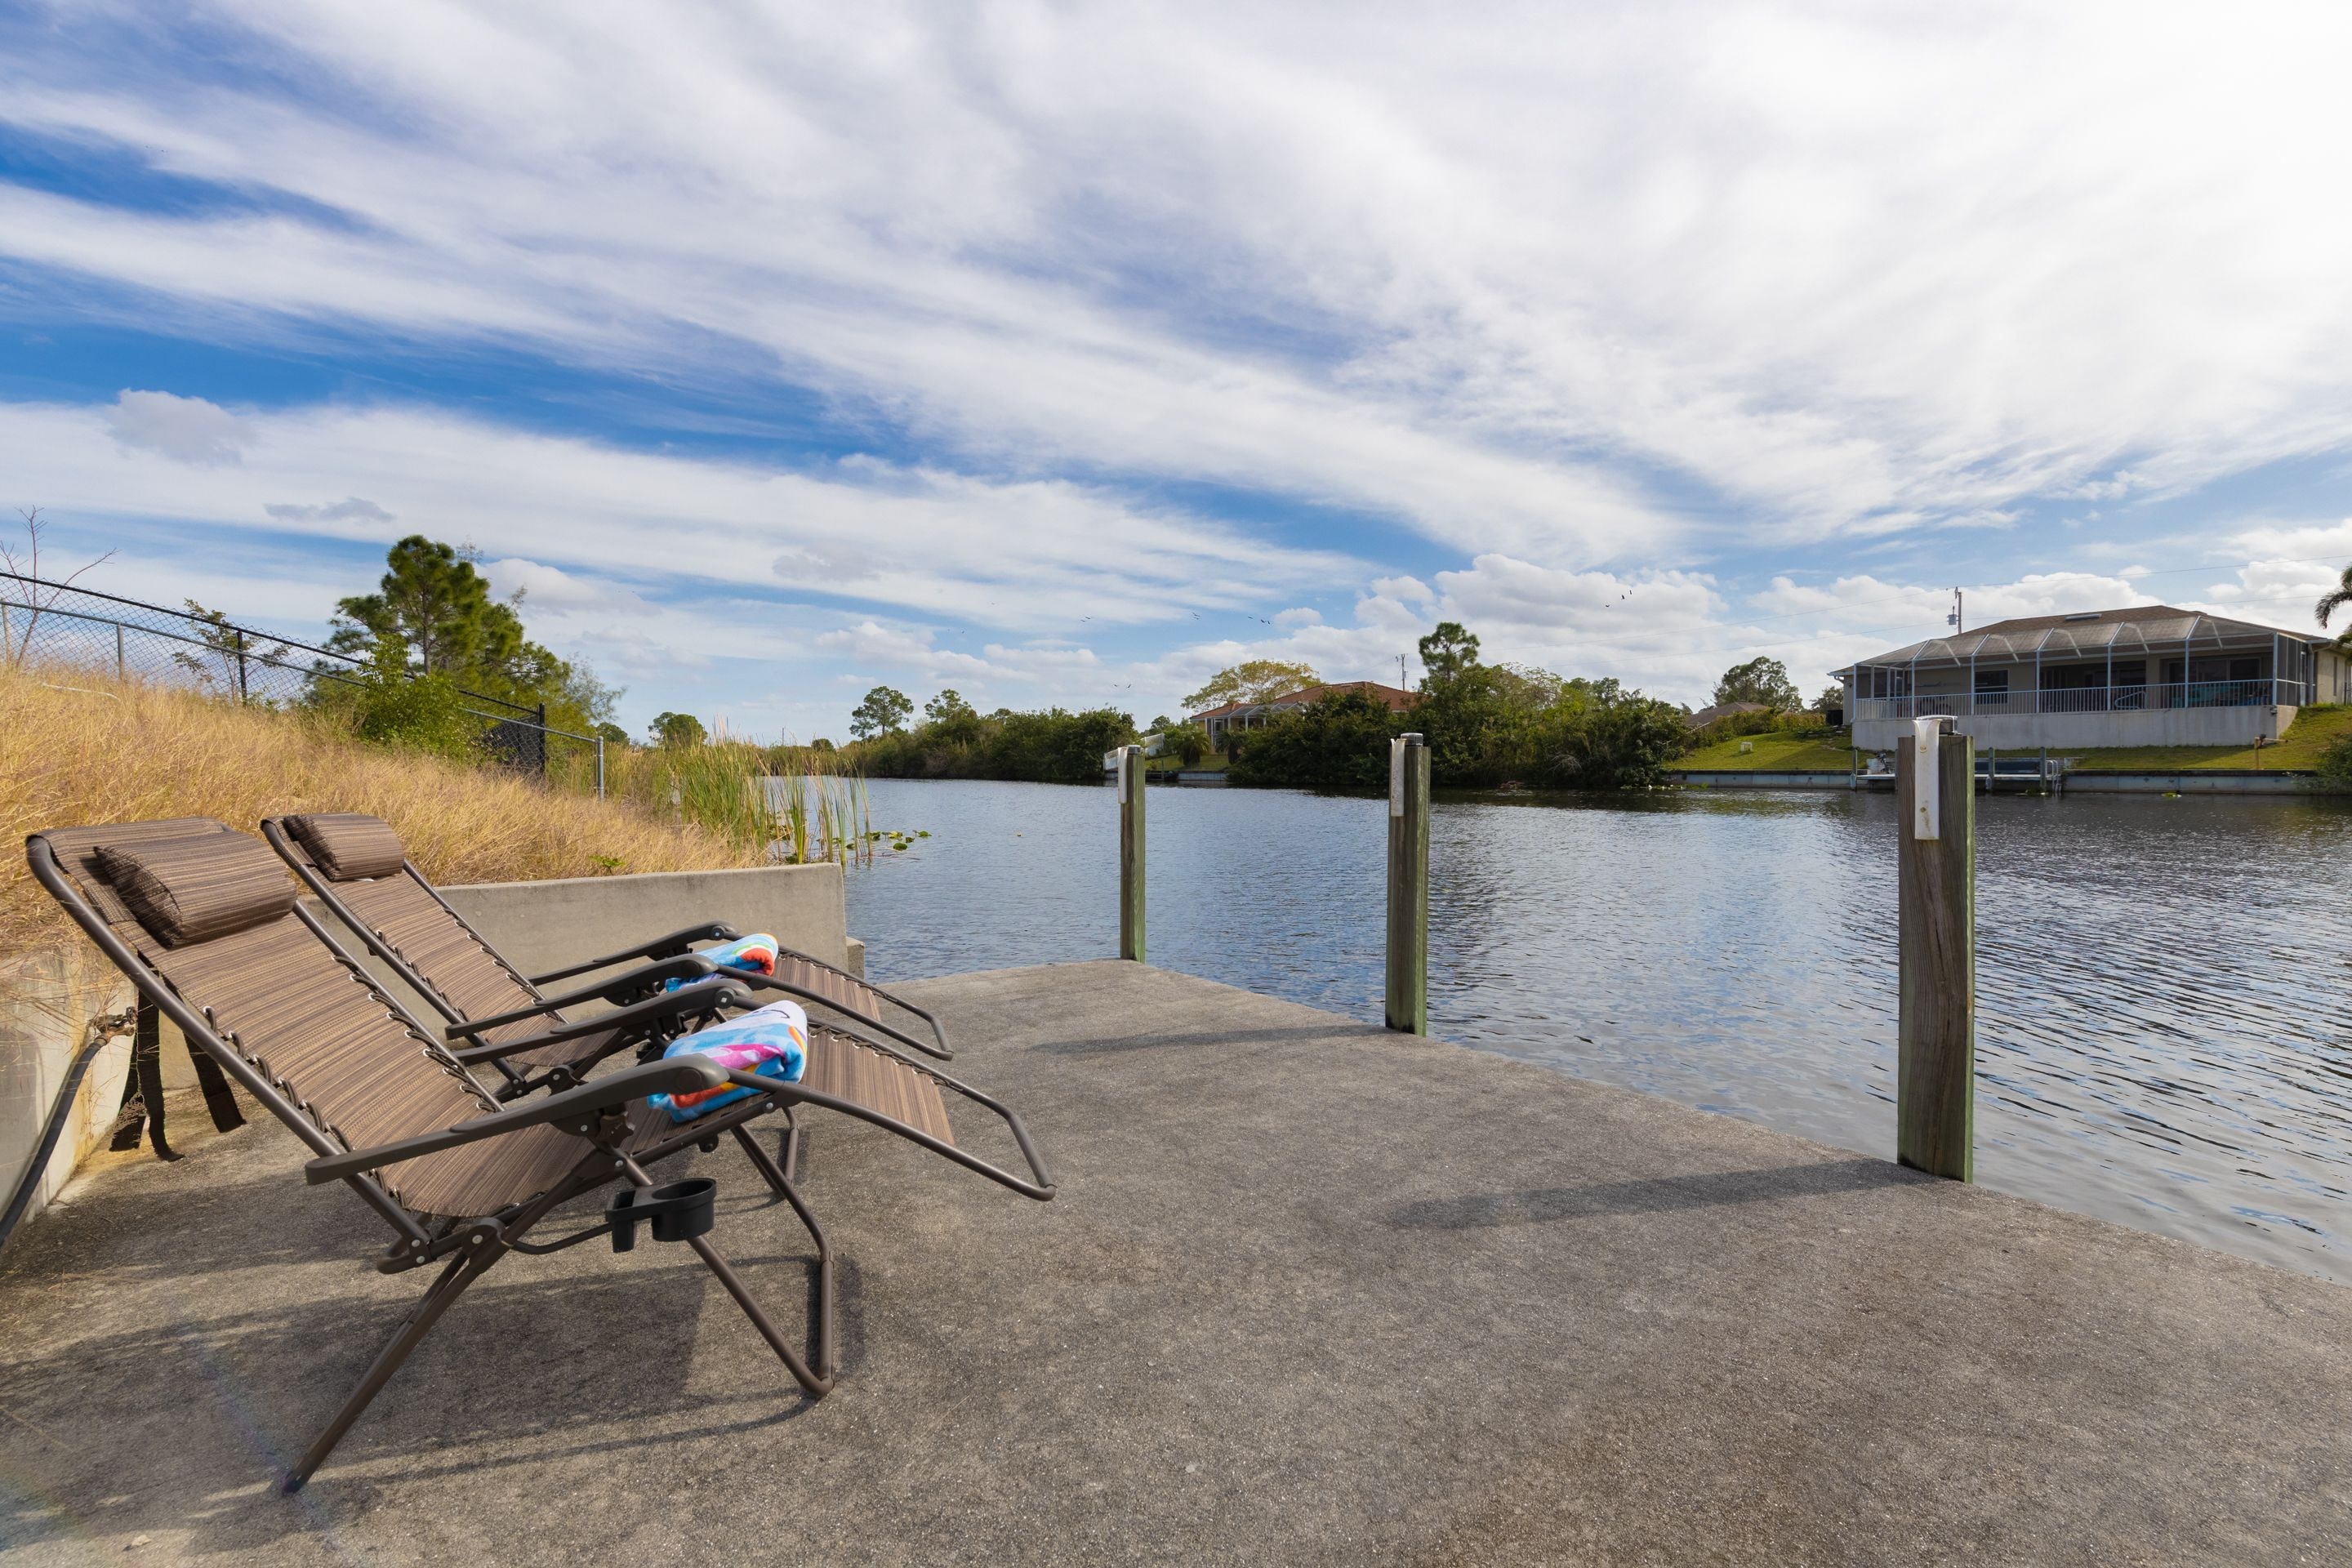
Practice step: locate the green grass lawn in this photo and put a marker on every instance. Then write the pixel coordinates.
(2314, 729)
(1781, 752)
(1215, 763)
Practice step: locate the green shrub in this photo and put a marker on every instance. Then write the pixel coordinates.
(1624, 743)
(1051, 747)
(424, 713)
(1188, 743)
(2334, 763)
(1340, 741)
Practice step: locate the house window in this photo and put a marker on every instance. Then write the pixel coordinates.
(1993, 687)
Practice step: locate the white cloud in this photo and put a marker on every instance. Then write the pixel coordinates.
(1405, 590)
(547, 589)
(2289, 567)
(891, 650)
(1860, 268)
(350, 509)
(1044, 663)
(184, 429)
(1037, 556)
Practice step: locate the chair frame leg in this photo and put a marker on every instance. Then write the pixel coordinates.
(463, 1270)
(817, 1379)
(779, 1181)
(792, 1146)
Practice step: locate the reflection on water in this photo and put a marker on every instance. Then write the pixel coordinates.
(2162, 1030)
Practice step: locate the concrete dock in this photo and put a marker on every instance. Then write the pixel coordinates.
(1311, 1293)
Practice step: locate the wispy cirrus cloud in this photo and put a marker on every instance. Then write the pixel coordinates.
(1861, 270)
(1039, 555)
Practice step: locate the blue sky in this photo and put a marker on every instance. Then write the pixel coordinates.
(1063, 354)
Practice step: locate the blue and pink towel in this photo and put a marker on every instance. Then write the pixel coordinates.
(772, 1042)
(754, 955)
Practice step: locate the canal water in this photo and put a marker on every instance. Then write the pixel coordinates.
(2165, 988)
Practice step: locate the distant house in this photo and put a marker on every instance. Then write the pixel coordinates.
(2150, 676)
(1706, 716)
(1218, 721)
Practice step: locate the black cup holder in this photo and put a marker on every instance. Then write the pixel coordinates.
(678, 1211)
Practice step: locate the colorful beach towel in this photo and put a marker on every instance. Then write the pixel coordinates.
(772, 1042)
(754, 955)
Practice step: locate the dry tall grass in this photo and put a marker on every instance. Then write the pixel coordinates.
(77, 748)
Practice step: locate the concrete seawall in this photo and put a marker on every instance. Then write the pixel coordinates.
(1760, 778)
(46, 1001)
(540, 925)
(2194, 781)
(2215, 780)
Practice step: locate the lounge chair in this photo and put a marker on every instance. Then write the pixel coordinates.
(205, 923)
(357, 867)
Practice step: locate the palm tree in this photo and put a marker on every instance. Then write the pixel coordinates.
(2334, 600)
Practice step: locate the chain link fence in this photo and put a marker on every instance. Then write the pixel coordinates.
(60, 626)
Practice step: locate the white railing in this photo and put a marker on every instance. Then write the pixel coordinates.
(2088, 699)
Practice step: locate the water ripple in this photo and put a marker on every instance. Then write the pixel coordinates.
(2162, 1033)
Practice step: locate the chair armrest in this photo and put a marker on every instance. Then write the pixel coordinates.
(668, 946)
(707, 996)
(687, 966)
(858, 1023)
(575, 1110)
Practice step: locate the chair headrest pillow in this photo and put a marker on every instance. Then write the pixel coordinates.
(348, 846)
(199, 889)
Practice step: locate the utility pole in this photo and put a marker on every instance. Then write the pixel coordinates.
(1401, 686)
(1953, 620)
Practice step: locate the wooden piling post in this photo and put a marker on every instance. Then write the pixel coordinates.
(1130, 853)
(1408, 947)
(1935, 1069)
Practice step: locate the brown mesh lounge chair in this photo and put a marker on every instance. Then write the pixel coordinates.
(204, 922)
(358, 867)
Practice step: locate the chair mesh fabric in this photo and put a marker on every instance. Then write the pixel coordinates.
(198, 887)
(335, 1046)
(348, 845)
(458, 965)
(839, 1065)
(848, 995)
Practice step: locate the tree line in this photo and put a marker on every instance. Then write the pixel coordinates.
(955, 740)
(1484, 724)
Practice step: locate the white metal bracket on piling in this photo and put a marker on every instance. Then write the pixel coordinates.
(1927, 798)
